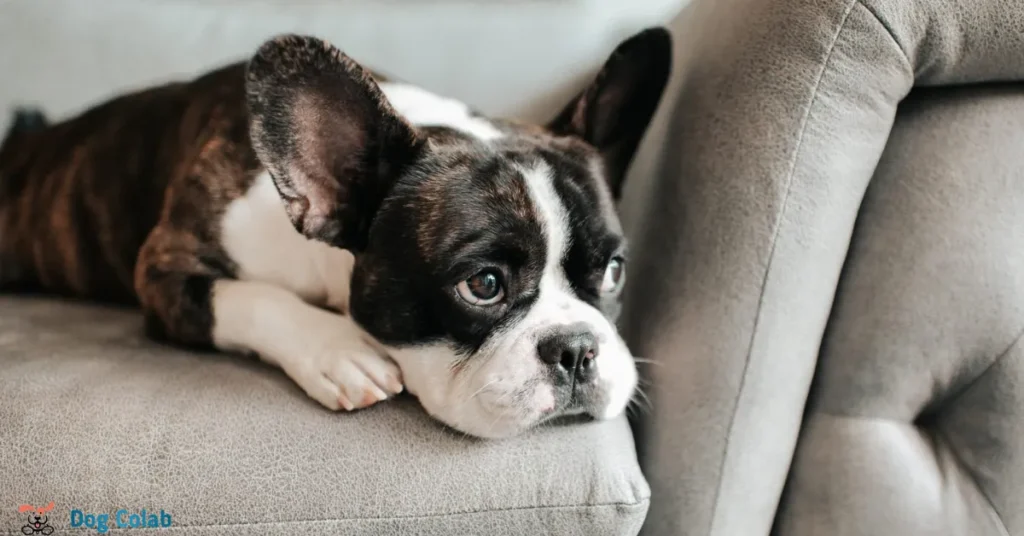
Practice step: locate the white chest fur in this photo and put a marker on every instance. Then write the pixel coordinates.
(259, 238)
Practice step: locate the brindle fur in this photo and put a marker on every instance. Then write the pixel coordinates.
(121, 202)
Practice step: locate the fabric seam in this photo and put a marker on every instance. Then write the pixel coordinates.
(771, 257)
(937, 435)
(892, 35)
(938, 432)
(999, 357)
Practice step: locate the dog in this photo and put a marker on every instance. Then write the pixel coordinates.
(38, 522)
(364, 235)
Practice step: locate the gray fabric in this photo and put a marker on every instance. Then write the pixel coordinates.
(917, 413)
(782, 109)
(97, 418)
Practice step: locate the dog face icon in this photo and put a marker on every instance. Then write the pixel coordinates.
(38, 522)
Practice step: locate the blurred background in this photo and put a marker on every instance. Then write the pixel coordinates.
(523, 58)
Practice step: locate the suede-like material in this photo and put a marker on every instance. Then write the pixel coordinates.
(779, 113)
(916, 419)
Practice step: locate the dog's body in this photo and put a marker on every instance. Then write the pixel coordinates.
(296, 208)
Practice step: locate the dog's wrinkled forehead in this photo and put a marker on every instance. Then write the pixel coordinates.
(476, 192)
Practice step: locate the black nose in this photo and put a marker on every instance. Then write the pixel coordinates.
(572, 348)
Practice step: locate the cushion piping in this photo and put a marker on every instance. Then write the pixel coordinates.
(771, 258)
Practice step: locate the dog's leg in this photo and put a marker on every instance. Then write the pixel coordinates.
(190, 301)
(327, 354)
(194, 292)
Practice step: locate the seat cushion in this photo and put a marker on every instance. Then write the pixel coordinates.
(96, 418)
(916, 417)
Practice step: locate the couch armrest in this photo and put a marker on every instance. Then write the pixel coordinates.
(776, 117)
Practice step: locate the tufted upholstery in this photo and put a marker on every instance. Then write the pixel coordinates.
(917, 410)
(838, 304)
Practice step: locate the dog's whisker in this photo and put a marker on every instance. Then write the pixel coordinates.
(640, 398)
(483, 387)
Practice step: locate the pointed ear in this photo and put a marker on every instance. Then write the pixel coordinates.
(327, 135)
(613, 113)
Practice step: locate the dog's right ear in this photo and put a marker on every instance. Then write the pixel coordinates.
(25, 508)
(327, 135)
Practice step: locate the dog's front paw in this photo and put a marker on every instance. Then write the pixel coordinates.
(345, 368)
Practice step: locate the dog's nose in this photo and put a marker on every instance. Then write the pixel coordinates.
(572, 348)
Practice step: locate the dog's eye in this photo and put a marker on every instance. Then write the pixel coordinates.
(614, 275)
(483, 288)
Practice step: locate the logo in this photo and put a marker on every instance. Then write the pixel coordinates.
(38, 523)
(122, 519)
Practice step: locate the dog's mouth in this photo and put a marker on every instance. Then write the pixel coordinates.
(504, 411)
(508, 388)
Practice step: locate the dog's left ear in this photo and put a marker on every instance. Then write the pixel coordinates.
(613, 113)
(327, 135)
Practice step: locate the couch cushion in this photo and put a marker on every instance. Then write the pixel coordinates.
(916, 420)
(96, 418)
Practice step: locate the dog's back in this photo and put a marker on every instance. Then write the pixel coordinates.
(26, 121)
(78, 198)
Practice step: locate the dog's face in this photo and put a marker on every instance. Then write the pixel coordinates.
(494, 273)
(489, 258)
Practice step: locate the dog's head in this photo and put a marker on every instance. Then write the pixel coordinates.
(489, 258)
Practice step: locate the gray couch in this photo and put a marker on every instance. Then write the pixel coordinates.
(833, 260)
(828, 273)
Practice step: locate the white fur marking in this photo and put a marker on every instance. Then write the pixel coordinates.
(259, 238)
(423, 108)
(557, 304)
(555, 223)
